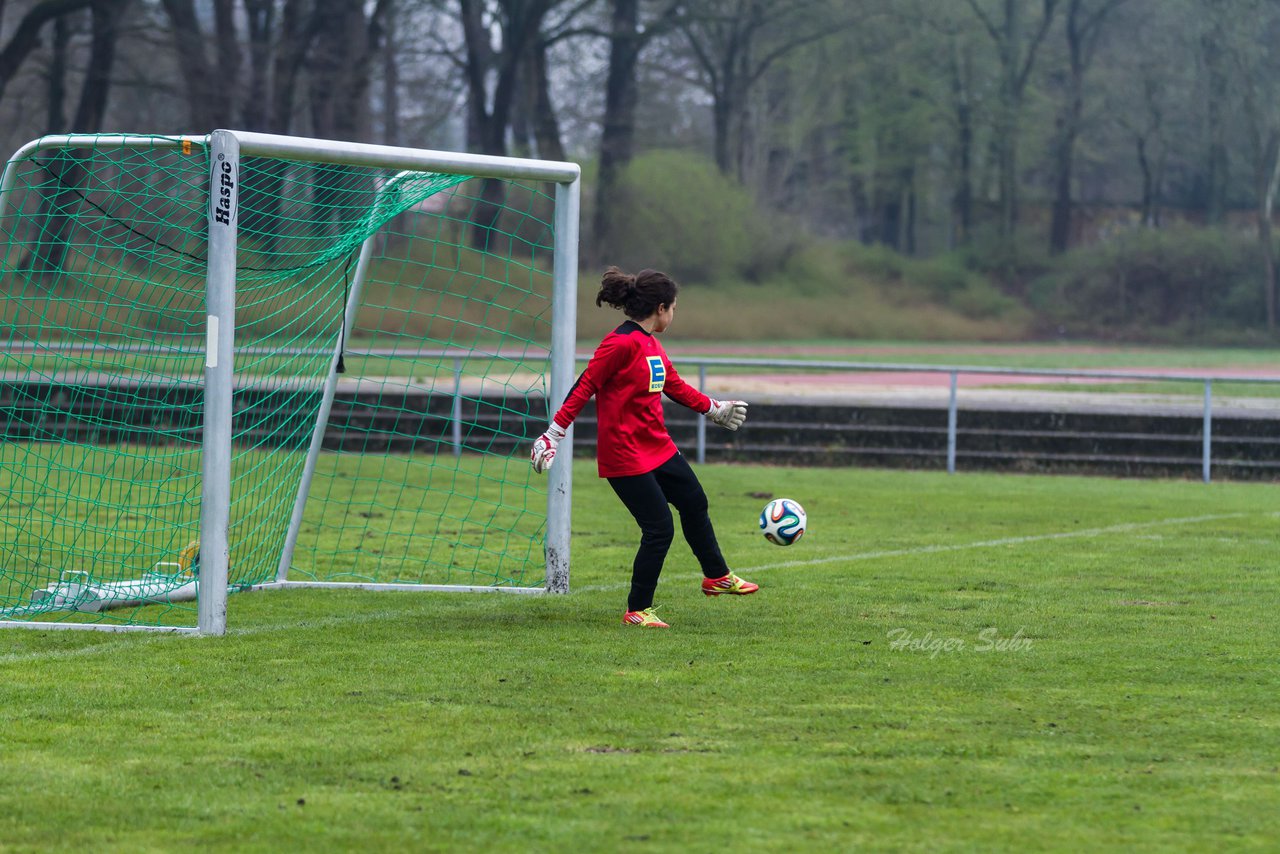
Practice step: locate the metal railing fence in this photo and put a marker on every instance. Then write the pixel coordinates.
(458, 358)
(954, 372)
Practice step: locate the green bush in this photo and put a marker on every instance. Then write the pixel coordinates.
(944, 280)
(876, 261)
(1155, 284)
(675, 211)
(1011, 260)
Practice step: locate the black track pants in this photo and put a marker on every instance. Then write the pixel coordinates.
(647, 497)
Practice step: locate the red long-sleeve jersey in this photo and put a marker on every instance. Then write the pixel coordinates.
(628, 374)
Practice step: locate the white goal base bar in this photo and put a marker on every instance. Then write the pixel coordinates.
(98, 627)
(406, 588)
(96, 598)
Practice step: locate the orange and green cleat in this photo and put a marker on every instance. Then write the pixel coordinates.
(645, 619)
(730, 584)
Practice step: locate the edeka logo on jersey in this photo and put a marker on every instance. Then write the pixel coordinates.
(657, 373)
(224, 193)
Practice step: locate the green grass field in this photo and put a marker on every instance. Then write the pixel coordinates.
(943, 663)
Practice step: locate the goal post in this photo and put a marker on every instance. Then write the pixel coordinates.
(408, 471)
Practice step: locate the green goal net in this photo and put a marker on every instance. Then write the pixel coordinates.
(391, 331)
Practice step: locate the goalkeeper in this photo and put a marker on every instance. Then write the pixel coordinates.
(628, 374)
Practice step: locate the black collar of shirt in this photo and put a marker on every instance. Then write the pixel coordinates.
(631, 326)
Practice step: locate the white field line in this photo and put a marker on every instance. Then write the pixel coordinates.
(1083, 533)
(111, 646)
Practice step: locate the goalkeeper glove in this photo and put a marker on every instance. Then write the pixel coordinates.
(730, 414)
(544, 448)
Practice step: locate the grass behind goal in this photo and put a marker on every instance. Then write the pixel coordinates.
(972, 662)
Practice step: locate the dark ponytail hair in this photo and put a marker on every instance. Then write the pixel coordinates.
(638, 296)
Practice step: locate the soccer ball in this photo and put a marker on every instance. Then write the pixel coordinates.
(782, 521)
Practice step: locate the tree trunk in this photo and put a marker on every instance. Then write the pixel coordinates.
(1069, 130)
(735, 42)
(480, 120)
(729, 106)
(90, 110)
(295, 41)
(618, 127)
(1151, 151)
(274, 70)
(260, 16)
(390, 78)
(226, 81)
(1008, 171)
(339, 68)
(962, 200)
(95, 88)
(1010, 110)
(56, 112)
(1216, 195)
(1016, 61)
(488, 118)
(336, 98)
(26, 37)
(1083, 27)
(1148, 183)
(909, 237)
(199, 76)
(1060, 226)
(546, 127)
(521, 122)
(1270, 177)
(721, 121)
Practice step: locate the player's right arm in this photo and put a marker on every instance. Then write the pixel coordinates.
(729, 414)
(609, 358)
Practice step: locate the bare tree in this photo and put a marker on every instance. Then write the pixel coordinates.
(278, 39)
(1215, 57)
(627, 40)
(346, 41)
(297, 30)
(942, 38)
(535, 124)
(390, 75)
(1084, 24)
(210, 87)
(55, 110)
(1151, 149)
(963, 98)
(489, 108)
(26, 37)
(1017, 49)
(735, 42)
(66, 166)
(1251, 27)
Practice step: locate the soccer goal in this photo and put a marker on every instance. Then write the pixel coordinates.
(245, 361)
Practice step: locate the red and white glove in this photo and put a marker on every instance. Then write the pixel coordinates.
(544, 448)
(730, 414)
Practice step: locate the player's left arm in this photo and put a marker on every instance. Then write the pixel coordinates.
(728, 414)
